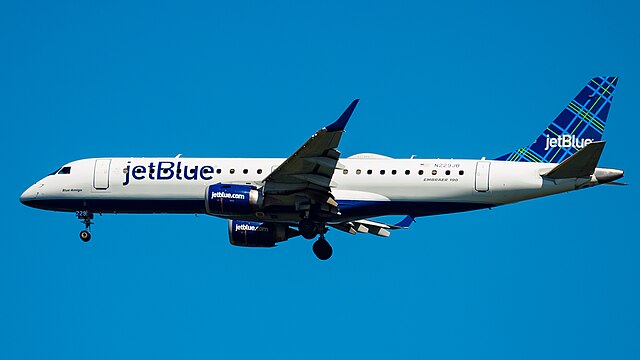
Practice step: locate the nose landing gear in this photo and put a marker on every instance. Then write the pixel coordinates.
(85, 235)
(85, 217)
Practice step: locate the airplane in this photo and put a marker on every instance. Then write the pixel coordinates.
(270, 200)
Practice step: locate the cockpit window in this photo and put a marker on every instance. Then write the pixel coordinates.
(55, 172)
(62, 170)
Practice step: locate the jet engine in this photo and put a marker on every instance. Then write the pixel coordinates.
(232, 199)
(258, 234)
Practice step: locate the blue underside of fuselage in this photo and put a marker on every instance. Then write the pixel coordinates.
(348, 208)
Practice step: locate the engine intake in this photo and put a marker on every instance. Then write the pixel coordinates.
(258, 234)
(232, 199)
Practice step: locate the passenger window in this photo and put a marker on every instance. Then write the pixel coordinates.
(231, 171)
(345, 171)
(420, 172)
(65, 170)
(448, 172)
(358, 172)
(218, 171)
(259, 171)
(382, 172)
(393, 172)
(138, 170)
(434, 172)
(179, 171)
(369, 172)
(192, 171)
(407, 172)
(461, 172)
(245, 171)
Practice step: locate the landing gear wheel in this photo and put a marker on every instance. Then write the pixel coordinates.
(85, 235)
(85, 217)
(308, 229)
(322, 249)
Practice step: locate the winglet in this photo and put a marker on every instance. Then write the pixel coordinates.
(341, 123)
(406, 222)
(581, 164)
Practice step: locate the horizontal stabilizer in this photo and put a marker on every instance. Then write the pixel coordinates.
(581, 164)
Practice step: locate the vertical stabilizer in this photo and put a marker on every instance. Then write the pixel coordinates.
(582, 122)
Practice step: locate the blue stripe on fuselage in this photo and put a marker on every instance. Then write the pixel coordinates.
(352, 209)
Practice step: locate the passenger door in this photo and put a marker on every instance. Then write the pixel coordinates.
(101, 174)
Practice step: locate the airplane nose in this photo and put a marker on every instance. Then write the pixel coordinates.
(29, 195)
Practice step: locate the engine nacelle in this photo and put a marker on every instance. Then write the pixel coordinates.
(232, 199)
(258, 234)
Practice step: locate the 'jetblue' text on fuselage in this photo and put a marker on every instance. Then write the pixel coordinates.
(167, 170)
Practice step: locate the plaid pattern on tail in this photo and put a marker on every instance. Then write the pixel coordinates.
(579, 124)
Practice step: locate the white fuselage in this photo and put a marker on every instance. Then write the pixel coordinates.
(363, 187)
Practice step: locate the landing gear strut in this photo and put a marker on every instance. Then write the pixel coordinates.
(85, 217)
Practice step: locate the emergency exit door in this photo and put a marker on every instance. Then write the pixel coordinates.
(101, 174)
(482, 176)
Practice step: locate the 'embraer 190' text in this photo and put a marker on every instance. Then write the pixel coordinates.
(566, 141)
(166, 170)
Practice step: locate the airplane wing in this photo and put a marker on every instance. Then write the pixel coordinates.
(372, 227)
(304, 179)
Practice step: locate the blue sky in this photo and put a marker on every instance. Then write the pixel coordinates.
(551, 278)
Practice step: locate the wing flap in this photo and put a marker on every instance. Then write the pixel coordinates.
(324, 161)
(372, 227)
(317, 179)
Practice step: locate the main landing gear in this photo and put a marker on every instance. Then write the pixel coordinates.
(85, 216)
(309, 230)
(322, 248)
